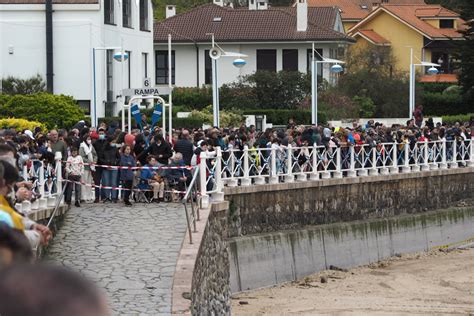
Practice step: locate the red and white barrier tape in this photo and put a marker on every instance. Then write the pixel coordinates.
(119, 188)
(137, 168)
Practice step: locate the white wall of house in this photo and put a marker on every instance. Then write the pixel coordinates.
(76, 30)
(186, 63)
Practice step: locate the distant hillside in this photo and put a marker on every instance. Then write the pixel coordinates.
(448, 4)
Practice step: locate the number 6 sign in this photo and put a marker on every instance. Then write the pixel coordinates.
(146, 82)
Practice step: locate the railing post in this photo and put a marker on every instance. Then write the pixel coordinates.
(444, 155)
(203, 180)
(373, 170)
(434, 151)
(232, 181)
(273, 168)
(219, 195)
(43, 202)
(394, 167)
(289, 165)
(470, 163)
(406, 161)
(301, 176)
(352, 173)
(314, 174)
(338, 173)
(425, 166)
(25, 172)
(246, 181)
(454, 162)
(59, 175)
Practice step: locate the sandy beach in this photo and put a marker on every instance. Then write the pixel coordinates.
(433, 283)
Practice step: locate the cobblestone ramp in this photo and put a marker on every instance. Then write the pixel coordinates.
(131, 252)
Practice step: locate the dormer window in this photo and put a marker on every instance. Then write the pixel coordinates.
(446, 24)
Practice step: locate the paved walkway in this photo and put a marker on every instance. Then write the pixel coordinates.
(130, 252)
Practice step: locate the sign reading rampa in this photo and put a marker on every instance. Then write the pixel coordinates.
(146, 91)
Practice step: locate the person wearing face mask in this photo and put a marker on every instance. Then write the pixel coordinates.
(99, 145)
(89, 156)
(110, 157)
(160, 149)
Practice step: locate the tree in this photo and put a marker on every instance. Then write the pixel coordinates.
(466, 55)
(12, 85)
(371, 73)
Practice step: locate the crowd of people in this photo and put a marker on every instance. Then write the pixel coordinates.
(106, 165)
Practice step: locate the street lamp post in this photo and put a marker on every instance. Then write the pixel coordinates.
(123, 57)
(432, 70)
(215, 53)
(336, 68)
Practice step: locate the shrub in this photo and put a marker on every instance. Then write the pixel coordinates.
(366, 106)
(444, 104)
(20, 124)
(193, 98)
(227, 118)
(281, 117)
(55, 111)
(12, 85)
(451, 119)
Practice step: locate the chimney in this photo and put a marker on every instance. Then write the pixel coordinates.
(375, 5)
(301, 16)
(170, 10)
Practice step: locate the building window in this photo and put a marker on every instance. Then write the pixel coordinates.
(144, 15)
(266, 59)
(318, 56)
(85, 105)
(127, 13)
(109, 12)
(446, 24)
(162, 67)
(290, 59)
(207, 67)
(110, 101)
(145, 64)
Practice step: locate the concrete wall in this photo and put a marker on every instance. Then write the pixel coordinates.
(268, 259)
(270, 208)
(210, 290)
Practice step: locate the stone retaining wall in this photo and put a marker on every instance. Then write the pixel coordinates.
(210, 294)
(269, 208)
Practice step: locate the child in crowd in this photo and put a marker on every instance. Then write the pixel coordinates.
(126, 174)
(74, 170)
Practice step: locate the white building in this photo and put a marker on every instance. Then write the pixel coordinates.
(273, 38)
(78, 26)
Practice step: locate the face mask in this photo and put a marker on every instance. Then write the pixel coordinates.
(102, 136)
(89, 142)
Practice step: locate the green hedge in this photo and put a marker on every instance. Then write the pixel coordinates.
(55, 111)
(444, 104)
(451, 119)
(281, 117)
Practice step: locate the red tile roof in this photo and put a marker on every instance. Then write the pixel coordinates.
(356, 9)
(54, 1)
(373, 37)
(408, 14)
(243, 25)
(447, 78)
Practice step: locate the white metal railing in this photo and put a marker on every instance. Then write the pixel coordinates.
(277, 164)
(47, 184)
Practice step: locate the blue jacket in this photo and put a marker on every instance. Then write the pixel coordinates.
(127, 161)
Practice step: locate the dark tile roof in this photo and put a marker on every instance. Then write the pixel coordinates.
(243, 25)
(54, 1)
